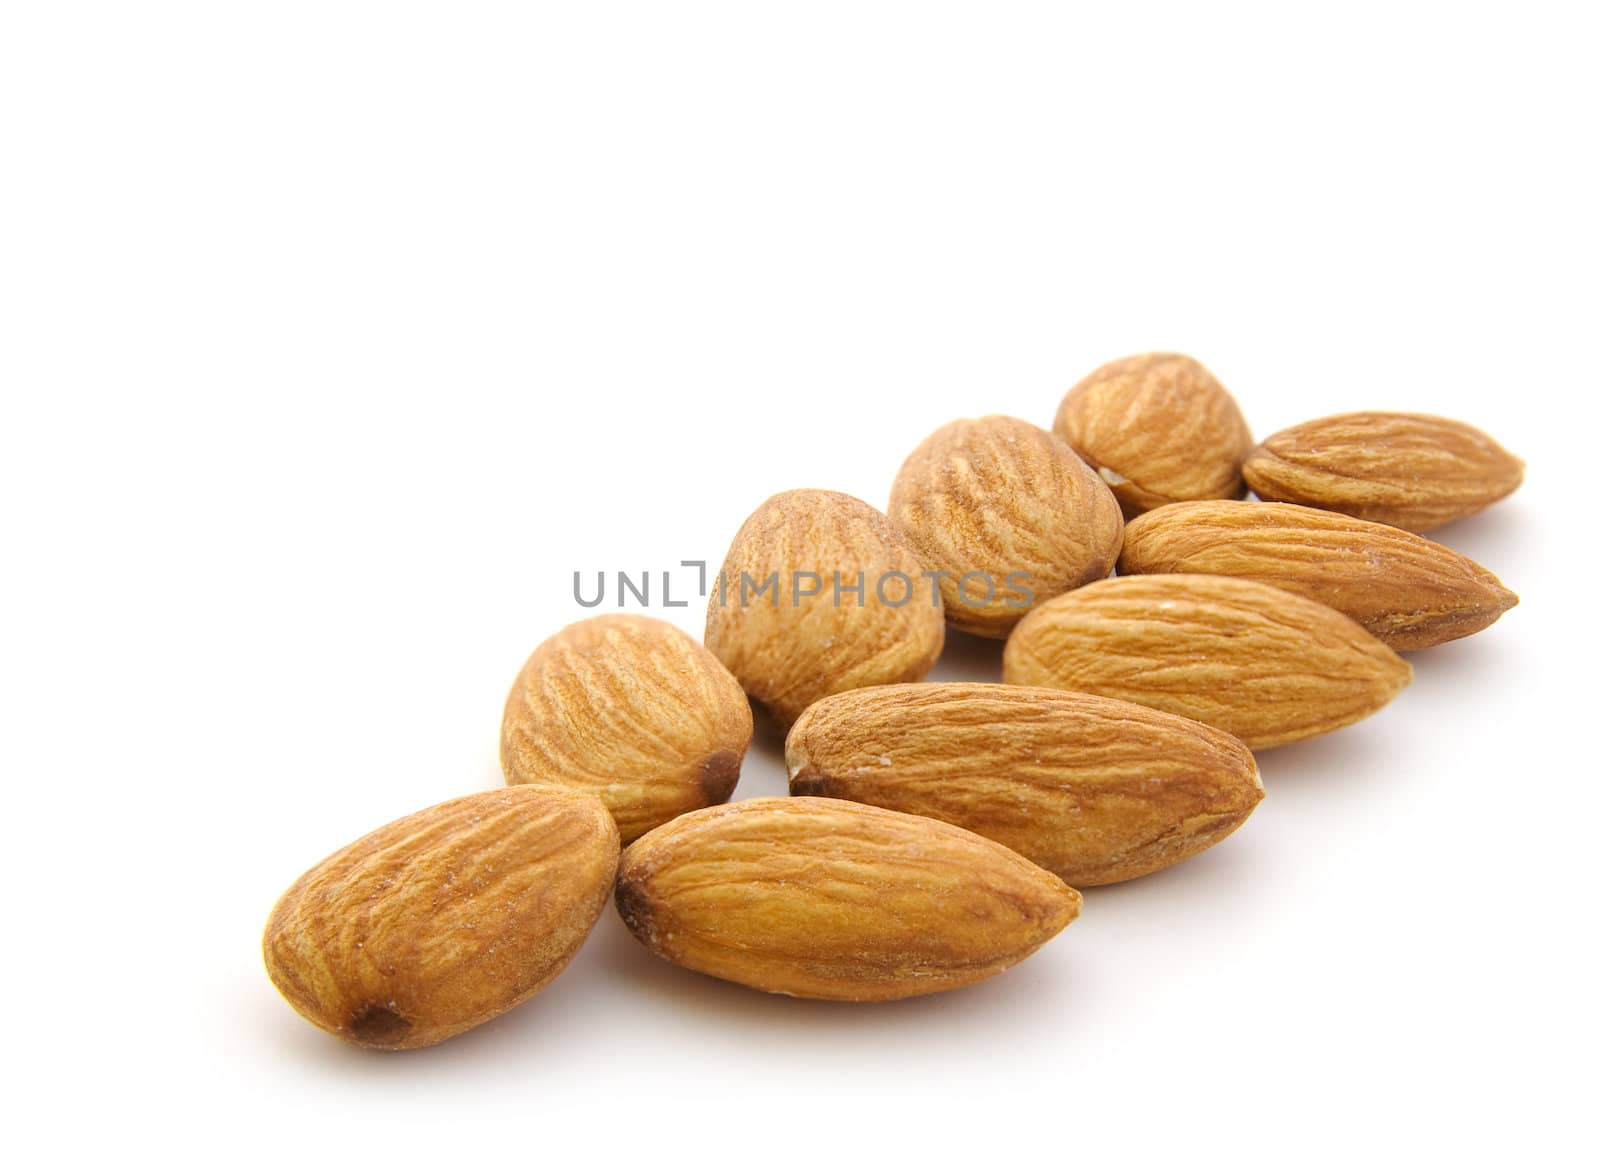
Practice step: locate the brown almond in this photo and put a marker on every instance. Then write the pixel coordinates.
(820, 593)
(443, 919)
(1413, 471)
(1402, 588)
(1157, 428)
(1255, 661)
(632, 710)
(1094, 789)
(1008, 516)
(833, 900)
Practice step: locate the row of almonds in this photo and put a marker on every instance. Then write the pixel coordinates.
(936, 833)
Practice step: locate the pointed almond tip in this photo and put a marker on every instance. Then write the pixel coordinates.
(1071, 906)
(1402, 676)
(1259, 788)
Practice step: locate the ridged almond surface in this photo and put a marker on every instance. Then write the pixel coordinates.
(1093, 789)
(789, 649)
(444, 919)
(1158, 428)
(1260, 663)
(834, 900)
(1414, 471)
(632, 710)
(1402, 588)
(1009, 513)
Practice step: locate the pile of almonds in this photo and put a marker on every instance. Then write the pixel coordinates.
(935, 833)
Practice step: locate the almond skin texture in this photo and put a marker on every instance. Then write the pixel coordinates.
(1093, 789)
(632, 710)
(1011, 504)
(788, 649)
(1158, 428)
(444, 919)
(827, 899)
(1412, 471)
(1404, 589)
(1260, 663)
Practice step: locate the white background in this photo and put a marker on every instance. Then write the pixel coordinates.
(334, 338)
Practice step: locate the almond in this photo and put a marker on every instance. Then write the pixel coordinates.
(632, 710)
(1404, 589)
(444, 919)
(833, 900)
(1158, 428)
(1093, 789)
(820, 593)
(1007, 515)
(1414, 471)
(1255, 661)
